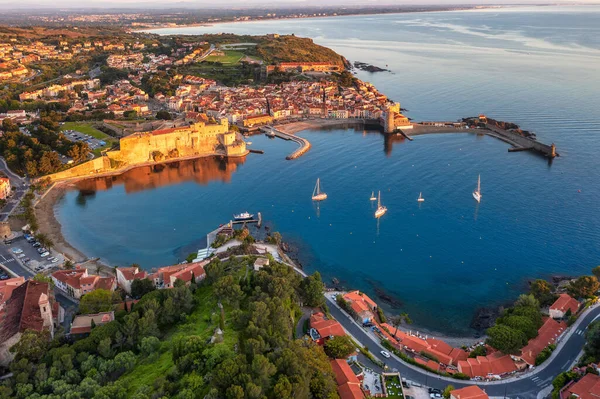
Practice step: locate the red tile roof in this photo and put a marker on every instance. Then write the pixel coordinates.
(23, 309)
(326, 327)
(7, 287)
(470, 392)
(564, 303)
(547, 334)
(348, 383)
(586, 388)
(82, 324)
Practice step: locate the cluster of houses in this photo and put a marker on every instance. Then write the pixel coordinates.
(30, 305)
(279, 101)
(125, 61)
(121, 96)
(56, 90)
(438, 356)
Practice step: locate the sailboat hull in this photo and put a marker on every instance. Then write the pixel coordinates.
(319, 197)
(477, 196)
(380, 212)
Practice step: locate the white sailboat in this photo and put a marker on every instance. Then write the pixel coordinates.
(373, 198)
(381, 210)
(420, 199)
(477, 191)
(318, 195)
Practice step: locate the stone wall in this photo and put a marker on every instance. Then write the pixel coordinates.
(96, 165)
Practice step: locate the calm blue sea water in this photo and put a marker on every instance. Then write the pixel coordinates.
(537, 67)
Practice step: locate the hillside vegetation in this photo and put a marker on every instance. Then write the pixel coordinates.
(295, 49)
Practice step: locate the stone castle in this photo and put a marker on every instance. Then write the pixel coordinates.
(392, 119)
(198, 139)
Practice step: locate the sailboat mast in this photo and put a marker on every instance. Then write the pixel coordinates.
(378, 199)
(479, 183)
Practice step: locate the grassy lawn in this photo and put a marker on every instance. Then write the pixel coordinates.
(198, 323)
(86, 128)
(394, 391)
(231, 57)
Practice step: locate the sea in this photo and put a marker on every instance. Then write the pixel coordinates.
(439, 260)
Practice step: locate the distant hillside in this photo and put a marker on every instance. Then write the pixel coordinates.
(295, 49)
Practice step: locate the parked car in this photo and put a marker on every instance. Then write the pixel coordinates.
(42, 250)
(45, 254)
(55, 260)
(385, 354)
(16, 250)
(26, 260)
(37, 244)
(4, 277)
(21, 256)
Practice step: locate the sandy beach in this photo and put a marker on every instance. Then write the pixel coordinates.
(50, 226)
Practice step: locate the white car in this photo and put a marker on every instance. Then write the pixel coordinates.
(17, 250)
(55, 260)
(45, 254)
(21, 256)
(385, 354)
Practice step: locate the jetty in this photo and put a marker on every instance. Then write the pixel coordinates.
(258, 221)
(302, 142)
(520, 140)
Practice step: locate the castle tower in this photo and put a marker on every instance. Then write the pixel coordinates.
(46, 312)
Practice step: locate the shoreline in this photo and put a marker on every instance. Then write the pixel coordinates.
(214, 23)
(50, 226)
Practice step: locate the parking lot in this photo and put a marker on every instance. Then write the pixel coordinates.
(30, 255)
(93, 142)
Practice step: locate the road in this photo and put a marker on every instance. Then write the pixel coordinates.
(19, 183)
(526, 386)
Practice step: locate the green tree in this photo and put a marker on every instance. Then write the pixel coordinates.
(149, 345)
(527, 301)
(140, 287)
(99, 300)
(312, 290)
(339, 347)
(31, 346)
(447, 391)
(542, 291)
(165, 115)
(583, 287)
(592, 341)
(506, 339)
(523, 324)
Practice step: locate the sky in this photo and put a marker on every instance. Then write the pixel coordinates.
(141, 4)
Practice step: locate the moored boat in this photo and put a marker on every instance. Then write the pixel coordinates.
(243, 216)
(381, 210)
(477, 191)
(420, 199)
(318, 195)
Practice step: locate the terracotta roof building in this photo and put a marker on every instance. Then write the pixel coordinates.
(547, 334)
(126, 275)
(30, 307)
(362, 305)
(348, 383)
(562, 305)
(586, 388)
(78, 282)
(7, 287)
(472, 392)
(165, 277)
(82, 324)
(322, 329)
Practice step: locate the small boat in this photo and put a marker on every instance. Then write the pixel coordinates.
(381, 210)
(318, 195)
(248, 143)
(243, 216)
(270, 134)
(420, 199)
(373, 198)
(477, 191)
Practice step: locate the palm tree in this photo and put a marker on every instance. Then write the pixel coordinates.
(397, 321)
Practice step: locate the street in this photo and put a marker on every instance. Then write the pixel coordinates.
(526, 386)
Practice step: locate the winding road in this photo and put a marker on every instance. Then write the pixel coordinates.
(533, 384)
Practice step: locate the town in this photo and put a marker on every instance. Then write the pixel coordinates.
(238, 318)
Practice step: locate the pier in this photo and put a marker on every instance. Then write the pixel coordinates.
(518, 141)
(302, 142)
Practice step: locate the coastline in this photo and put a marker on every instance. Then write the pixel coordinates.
(50, 226)
(214, 23)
